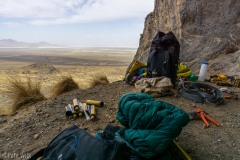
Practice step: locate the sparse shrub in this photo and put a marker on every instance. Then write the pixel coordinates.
(66, 84)
(24, 93)
(97, 79)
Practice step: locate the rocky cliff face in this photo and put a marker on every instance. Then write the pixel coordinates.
(207, 30)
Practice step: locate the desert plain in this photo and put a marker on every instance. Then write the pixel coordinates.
(49, 65)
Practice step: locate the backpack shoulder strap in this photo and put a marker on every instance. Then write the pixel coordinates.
(38, 155)
(62, 135)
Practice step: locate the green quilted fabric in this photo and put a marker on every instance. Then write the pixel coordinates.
(150, 125)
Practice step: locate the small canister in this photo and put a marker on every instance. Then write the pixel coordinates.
(68, 112)
(74, 113)
(81, 109)
(93, 112)
(96, 103)
(75, 104)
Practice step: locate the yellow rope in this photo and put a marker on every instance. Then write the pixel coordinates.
(186, 157)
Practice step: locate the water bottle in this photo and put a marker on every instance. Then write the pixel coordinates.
(203, 71)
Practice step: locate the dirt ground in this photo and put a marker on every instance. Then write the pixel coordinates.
(33, 127)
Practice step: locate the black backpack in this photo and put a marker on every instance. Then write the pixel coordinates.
(163, 59)
(76, 144)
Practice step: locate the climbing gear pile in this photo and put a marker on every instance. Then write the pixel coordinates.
(224, 80)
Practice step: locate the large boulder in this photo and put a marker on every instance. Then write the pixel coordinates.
(208, 30)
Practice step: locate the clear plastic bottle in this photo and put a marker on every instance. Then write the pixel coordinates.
(203, 71)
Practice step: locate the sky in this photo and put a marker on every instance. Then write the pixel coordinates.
(82, 23)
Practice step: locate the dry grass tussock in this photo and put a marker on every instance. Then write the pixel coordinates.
(66, 84)
(24, 93)
(98, 78)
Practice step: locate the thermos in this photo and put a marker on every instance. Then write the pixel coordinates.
(75, 104)
(93, 112)
(80, 114)
(84, 107)
(203, 71)
(68, 112)
(74, 113)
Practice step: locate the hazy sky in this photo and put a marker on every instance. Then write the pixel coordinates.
(75, 22)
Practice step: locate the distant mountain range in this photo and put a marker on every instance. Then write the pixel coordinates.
(10, 43)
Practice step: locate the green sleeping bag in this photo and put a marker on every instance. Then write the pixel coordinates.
(150, 125)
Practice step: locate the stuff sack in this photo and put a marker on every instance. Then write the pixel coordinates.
(75, 143)
(157, 87)
(164, 56)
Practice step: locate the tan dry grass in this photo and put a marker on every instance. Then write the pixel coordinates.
(80, 74)
(25, 93)
(98, 78)
(66, 84)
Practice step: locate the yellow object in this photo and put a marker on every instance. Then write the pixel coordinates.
(182, 68)
(183, 71)
(75, 102)
(75, 115)
(236, 81)
(224, 80)
(96, 103)
(144, 74)
(222, 76)
(185, 155)
(93, 112)
(186, 74)
(136, 65)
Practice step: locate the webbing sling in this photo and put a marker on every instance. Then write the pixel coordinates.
(194, 92)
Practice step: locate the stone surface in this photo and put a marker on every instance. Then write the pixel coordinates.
(207, 30)
(36, 136)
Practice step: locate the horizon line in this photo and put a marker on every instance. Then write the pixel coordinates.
(127, 47)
